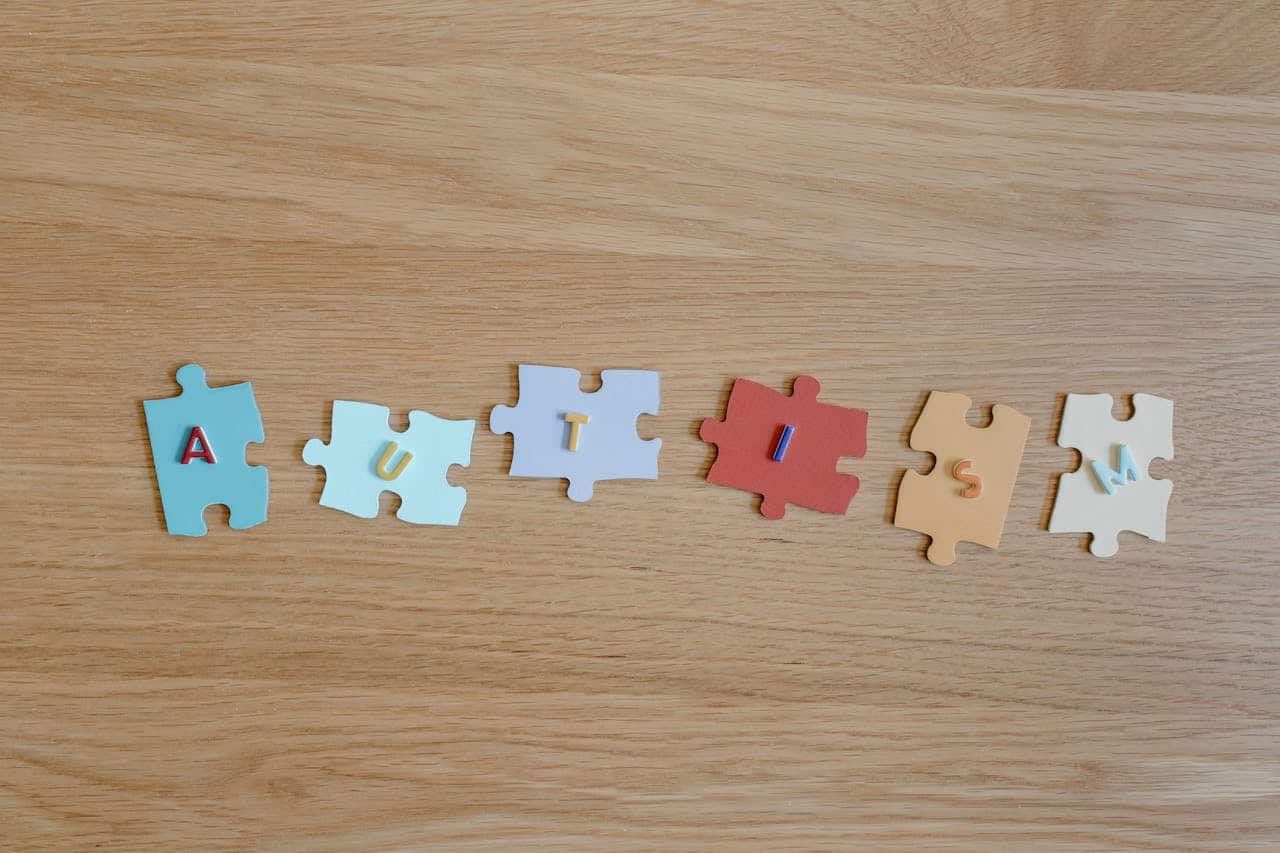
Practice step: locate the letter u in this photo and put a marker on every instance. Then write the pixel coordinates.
(381, 468)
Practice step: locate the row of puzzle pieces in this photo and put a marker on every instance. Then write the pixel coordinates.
(783, 447)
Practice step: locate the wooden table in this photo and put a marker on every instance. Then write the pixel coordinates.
(400, 201)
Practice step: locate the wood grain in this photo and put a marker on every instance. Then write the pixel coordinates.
(399, 202)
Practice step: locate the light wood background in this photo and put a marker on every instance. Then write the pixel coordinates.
(399, 201)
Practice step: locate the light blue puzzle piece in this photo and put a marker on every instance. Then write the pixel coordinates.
(357, 441)
(607, 445)
(230, 419)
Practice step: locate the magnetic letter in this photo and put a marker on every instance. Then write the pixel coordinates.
(575, 424)
(381, 468)
(206, 449)
(784, 441)
(961, 473)
(1128, 470)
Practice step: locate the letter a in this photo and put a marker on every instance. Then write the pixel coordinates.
(206, 449)
(1110, 479)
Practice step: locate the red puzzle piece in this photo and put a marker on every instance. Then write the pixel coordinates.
(748, 437)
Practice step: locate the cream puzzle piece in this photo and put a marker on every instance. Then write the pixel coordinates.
(1112, 490)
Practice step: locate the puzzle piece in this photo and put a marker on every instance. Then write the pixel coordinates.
(365, 457)
(956, 501)
(785, 448)
(561, 432)
(1111, 490)
(198, 443)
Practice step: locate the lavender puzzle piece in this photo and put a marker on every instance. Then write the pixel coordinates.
(607, 447)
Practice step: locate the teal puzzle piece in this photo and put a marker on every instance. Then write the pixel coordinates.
(361, 445)
(229, 419)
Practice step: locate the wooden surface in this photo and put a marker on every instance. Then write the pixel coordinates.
(399, 201)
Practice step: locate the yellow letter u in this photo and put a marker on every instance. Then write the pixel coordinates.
(381, 467)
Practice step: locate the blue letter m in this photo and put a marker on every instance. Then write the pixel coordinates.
(1110, 479)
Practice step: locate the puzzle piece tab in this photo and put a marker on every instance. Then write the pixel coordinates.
(198, 443)
(1112, 490)
(966, 495)
(365, 457)
(785, 448)
(562, 432)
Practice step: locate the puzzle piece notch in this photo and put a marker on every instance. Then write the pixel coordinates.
(359, 439)
(935, 503)
(552, 410)
(229, 419)
(1082, 504)
(754, 426)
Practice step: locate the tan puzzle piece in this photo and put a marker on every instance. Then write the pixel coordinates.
(932, 503)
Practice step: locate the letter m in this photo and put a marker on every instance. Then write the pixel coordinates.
(1128, 470)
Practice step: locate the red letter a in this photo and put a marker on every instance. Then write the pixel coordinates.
(205, 452)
